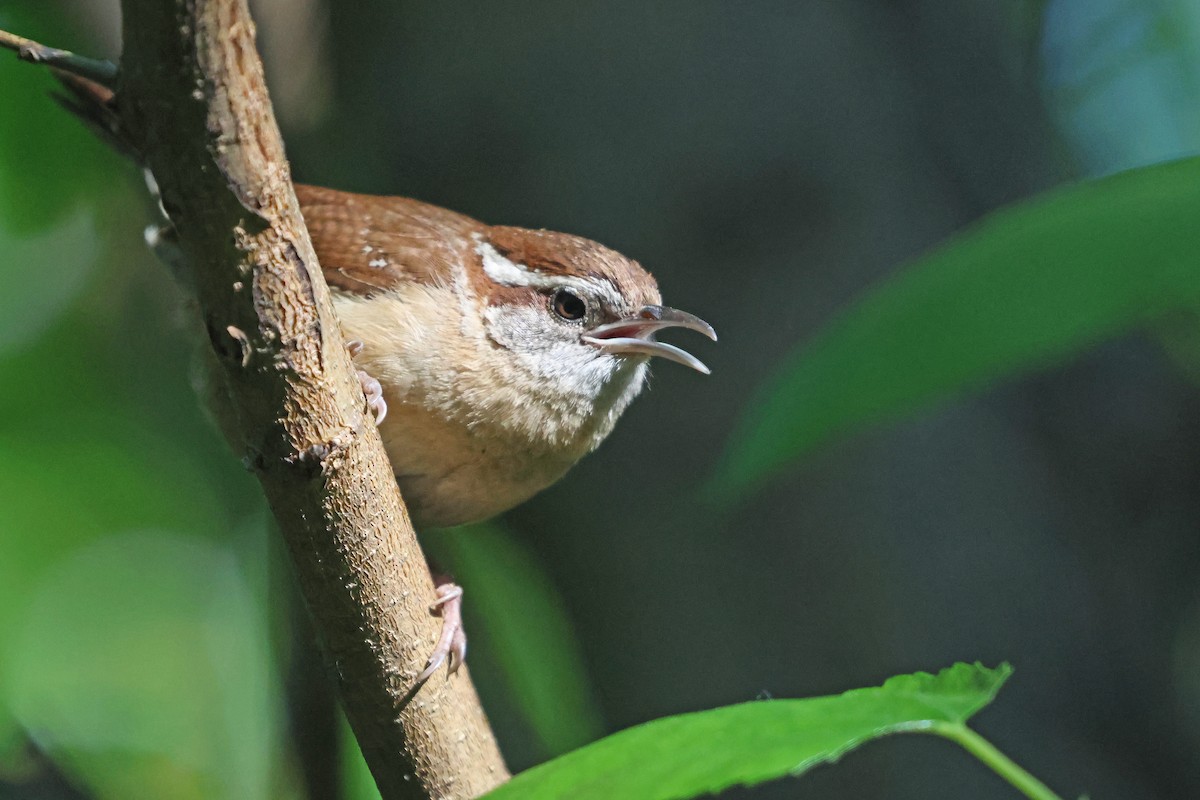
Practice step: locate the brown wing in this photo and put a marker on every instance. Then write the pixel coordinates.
(368, 244)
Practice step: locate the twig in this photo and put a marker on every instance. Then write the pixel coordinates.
(98, 70)
(193, 105)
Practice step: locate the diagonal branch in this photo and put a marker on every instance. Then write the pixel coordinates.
(191, 101)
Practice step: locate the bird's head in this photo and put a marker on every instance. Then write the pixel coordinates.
(578, 316)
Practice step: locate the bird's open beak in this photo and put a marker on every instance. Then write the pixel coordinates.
(635, 335)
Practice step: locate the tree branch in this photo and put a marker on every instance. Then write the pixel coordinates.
(191, 100)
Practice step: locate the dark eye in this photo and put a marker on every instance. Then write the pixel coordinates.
(568, 305)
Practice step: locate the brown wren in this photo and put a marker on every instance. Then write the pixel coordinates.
(494, 357)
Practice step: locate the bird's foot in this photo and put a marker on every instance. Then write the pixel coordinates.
(372, 389)
(452, 644)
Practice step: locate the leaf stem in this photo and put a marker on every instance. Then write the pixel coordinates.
(94, 69)
(1001, 764)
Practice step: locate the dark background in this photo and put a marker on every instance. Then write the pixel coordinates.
(770, 162)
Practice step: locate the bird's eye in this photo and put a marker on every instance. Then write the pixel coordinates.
(568, 305)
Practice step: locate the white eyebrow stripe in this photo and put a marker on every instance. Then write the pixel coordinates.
(509, 273)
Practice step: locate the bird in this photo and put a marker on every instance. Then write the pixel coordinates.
(493, 358)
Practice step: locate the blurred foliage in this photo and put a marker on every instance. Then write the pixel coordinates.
(803, 150)
(142, 660)
(47, 170)
(357, 783)
(1029, 286)
(67, 253)
(49, 167)
(1123, 76)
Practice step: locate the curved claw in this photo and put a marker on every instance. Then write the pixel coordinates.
(373, 391)
(452, 644)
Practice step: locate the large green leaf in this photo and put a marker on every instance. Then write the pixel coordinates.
(1026, 287)
(708, 751)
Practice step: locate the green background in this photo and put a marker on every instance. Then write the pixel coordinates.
(990, 453)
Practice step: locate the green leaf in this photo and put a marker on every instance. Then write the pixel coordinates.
(1027, 287)
(357, 781)
(747, 744)
(527, 630)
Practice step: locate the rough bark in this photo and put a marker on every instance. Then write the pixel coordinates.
(192, 100)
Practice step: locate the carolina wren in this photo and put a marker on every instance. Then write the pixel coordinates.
(494, 357)
(504, 354)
